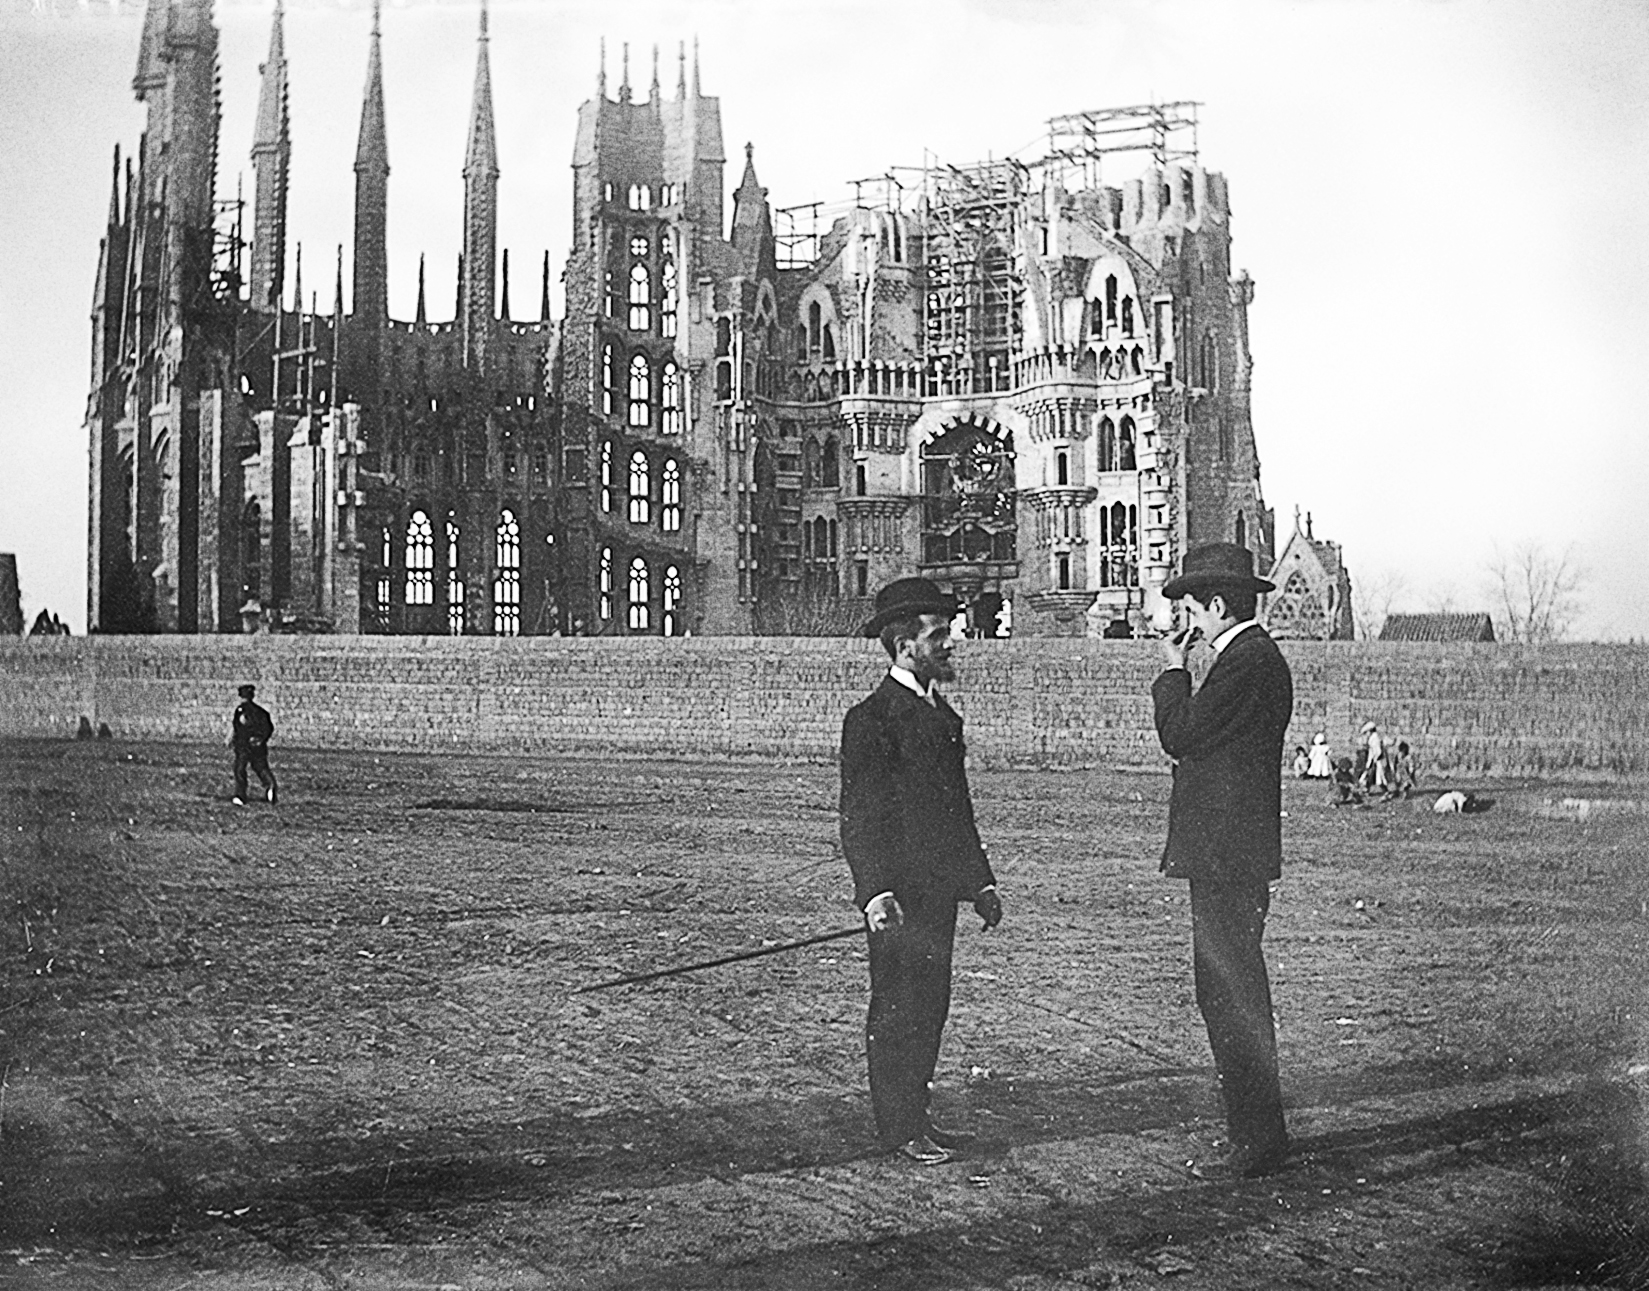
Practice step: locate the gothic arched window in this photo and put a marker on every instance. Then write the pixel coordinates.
(420, 560)
(506, 587)
(641, 298)
(385, 586)
(1107, 437)
(672, 600)
(607, 380)
(640, 490)
(638, 595)
(670, 396)
(667, 302)
(607, 475)
(831, 463)
(670, 497)
(1125, 446)
(641, 391)
(455, 579)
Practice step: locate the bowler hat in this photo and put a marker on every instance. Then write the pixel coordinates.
(1216, 567)
(906, 598)
(247, 691)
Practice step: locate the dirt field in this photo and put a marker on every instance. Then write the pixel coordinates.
(332, 1043)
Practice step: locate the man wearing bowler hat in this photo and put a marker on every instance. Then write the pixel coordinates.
(909, 837)
(1225, 831)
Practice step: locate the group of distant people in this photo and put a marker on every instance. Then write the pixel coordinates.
(1378, 766)
(47, 624)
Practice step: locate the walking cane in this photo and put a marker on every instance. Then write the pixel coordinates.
(725, 959)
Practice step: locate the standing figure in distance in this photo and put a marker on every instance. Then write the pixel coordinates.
(249, 734)
(909, 837)
(1225, 829)
(1374, 758)
(1320, 764)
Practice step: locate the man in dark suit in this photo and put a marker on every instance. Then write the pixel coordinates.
(1225, 830)
(249, 734)
(909, 836)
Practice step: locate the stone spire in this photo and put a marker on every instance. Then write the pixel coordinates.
(681, 70)
(752, 221)
(272, 163)
(422, 316)
(696, 90)
(476, 310)
(544, 301)
(624, 84)
(601, 73)
(652, 93)
(114, 193)
(504, 290)
(371, 268)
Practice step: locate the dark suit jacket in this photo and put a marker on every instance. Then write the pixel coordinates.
(252, 727)
(907, 815)
(1224, 818)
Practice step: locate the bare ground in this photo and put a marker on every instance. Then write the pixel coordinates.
(333, 1043)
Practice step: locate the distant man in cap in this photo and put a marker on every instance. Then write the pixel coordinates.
(1224, 828)
(909, 836)
(249, 733)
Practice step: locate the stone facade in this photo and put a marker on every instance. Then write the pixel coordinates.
(1027, 384)
(1313, 597)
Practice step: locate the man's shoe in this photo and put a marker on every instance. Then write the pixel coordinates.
(942, 1137)
(924, 1151)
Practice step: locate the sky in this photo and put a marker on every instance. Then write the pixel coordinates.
(1444, 205)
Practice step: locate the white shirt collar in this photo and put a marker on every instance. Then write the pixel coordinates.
(906, 678)
(1224, 638)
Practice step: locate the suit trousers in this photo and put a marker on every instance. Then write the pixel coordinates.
(1234, 994)
(258, 760)
(910, 968)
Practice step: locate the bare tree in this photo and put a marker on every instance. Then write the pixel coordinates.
(1371, 601)
(1536, 593)
(1443, 599)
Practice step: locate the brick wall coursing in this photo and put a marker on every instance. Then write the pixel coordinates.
(1467, 709)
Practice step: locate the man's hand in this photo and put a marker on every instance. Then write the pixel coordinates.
(988, 906)
(1174, 647)
(882, 911)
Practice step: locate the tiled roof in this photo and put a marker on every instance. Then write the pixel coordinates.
(1437, 627)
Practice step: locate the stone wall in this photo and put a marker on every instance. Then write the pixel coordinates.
(1577, 710)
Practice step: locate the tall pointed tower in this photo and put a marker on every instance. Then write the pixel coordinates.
(753, 223)
(272, 163)
(370, 302)
(478, 288)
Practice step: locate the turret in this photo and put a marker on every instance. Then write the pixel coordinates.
(753, 222)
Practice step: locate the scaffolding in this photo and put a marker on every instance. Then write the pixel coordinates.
(1080, 140)
(971, 302)
(796, 235)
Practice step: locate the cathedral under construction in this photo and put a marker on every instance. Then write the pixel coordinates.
(1012, 378)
